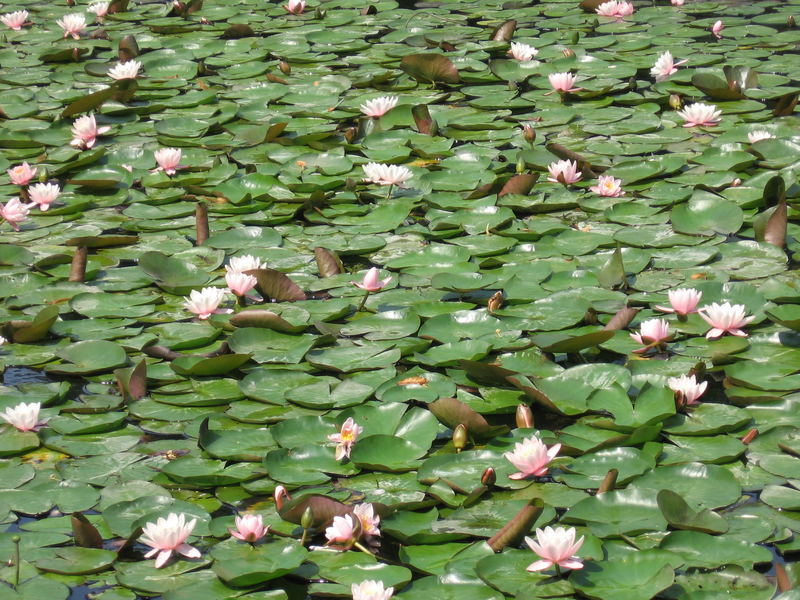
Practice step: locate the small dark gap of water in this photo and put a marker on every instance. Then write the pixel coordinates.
(17, 375)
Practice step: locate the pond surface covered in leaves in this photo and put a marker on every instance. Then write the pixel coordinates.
(504, 306)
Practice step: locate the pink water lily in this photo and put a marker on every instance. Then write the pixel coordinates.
(43, 194)
(555, 546)
(608, 186)
(677, 2)
(699, 114)
(687, 388)
(365, 513)
(14, 212)
(716, 29)
(73, 25)
(169, 535)
(682, 301)
(652, 332)
(342, 531)
(370, 590)
(563, 82)
(371, 283)
(21, 174)
(25, 417)
(100, 9)
(615, 8)
(85, 132)
(531, 456)
(346, 438)
(240, 283)
(168, 160)
(15, 20)
(757, 136)
(249, 528)
(522, 52)
(665, 66)
(377, 107)
(295, 7)
(564, 171)
(240, 264)
(725, 318)
(205, 302)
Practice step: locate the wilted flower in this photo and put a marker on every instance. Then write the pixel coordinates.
(295, 7)
(700, 114)
(100, 9)
(725, 318)
(665, 66)
(21, 174)
(716, 29)
(615, 8)
(608, 186)
(377, 107)
(44, 194)
(652, 332)
(240, 264)
(522, 52)
(204, 303)
(341, 531)
(126, 70)
(168, 160)
(563, 82)
(687, 388)
(564, 171)
(249, 528)
(85, 131)
(531, 456)
(371, 283)
(386, 174)
(240, 283)
(166, 536)
(528, 132)
(24, 417)
(15, 20)
(365, 513)
(682, 301)
(346, 437)
(72, 25)
(15, 212)
(555, 546)
(370, 590)
(757, 136)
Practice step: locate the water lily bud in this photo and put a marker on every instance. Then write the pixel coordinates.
(307, 520)
(524, 416)
(320, 13)
(750, 436)
(495, 302)
(520, 166)
(790, 22)
(675, 101)
(460, 437)
(568, 52)
(574, 37)
(489, 477)
(285, 68)
(16, 539)
(529, 133)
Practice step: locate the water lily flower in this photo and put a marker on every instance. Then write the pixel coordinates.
(716, 29)
(615, 8)
(240, 264)
(85, 132)
(249, 528)
(386, 174)
(44, 194)
(652, 332)
(665, 66)
(608, 186)
(341, 531)
(365, 513)
(126, 70)
(2, 340)
(687, 388)
(204, 303)
(757, 136)
(682, 301)
(564, 171)
(371, 283)
(522, 52)
(370, 590)
(624, 9)
(377, 107)
(295, 7)
(24, 417)
(166, 536)
(699, 114)
(100, 9)
(21, 174)
(168, 160)
(531, 456)
(346, 437)
(555, 546)
(72, 25)
(240, 283)
(725, 318)
(563, 82)
(677, 2)
(14, 212)
(15, 20)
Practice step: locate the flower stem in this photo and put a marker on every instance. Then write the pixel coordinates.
(389, 195)
(362, 548)
(16, 540)
(304, 537)
(558, 571)
(241, 300)
(363, 302)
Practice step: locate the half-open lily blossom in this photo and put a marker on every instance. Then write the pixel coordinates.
(698, 114)
(21, 174)
(342, 531)
(14, 212)
(85, 132)
(563, 82)
(386, 174)
(652, 332)
(126, 70)
(72, 25)
(371, 283)
(43, 194)
(564, 171)
(555, 546)
(240, 264)
(240, 283)
(522, 52)
(100, 9)
(205, 302)
(677, 2)
(716, 29)
(168, 160)
(370, 590)
(24, 417)
(377, 107)
(665, 66)
(295, 7)
(608, 186)
(687, 388)
(169, 535)
(346, 437)
(249, 528)
(615, 8)
(15, 20)
(365, 513)
(725, 318)
(682, 301)
(757, 136)
(531, 456)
